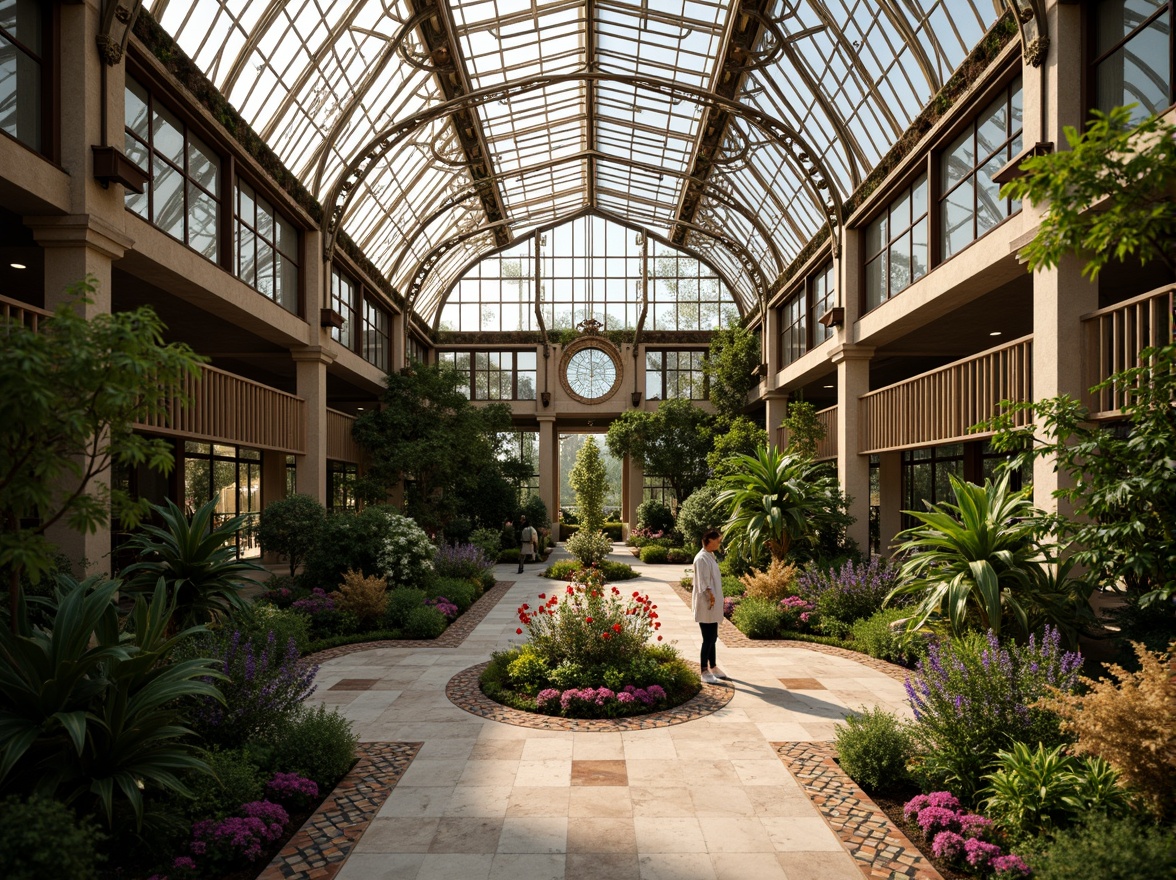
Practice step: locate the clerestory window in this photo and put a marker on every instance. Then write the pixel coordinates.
(896, 245)
(1133, 55)
(267, 248)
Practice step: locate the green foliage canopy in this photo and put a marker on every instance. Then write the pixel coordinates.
(742, 437)
(671, 442)
(734, 353)
(805, 432)
(590, 483)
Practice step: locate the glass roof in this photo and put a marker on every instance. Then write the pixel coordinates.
(436, 134)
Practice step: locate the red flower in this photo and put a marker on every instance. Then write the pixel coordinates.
(519, 631)
(616, 627)
(604, 635)
(587, 619)
(659, 638)
(542, 595)
(525, 606)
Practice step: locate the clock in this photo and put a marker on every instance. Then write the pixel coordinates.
(590, 370)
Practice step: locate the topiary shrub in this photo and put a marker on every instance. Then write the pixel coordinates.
(1108, 849)
(654, 554)
(290, 527)
(318, 743)
(757, 617)
(654, 515)
(43, 838)
(874, 746)
(425, 622)
(589, 547)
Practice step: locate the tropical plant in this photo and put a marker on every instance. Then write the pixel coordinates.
(290, 526)
(979, 563)
(671, 442)
(589, 481)
(197, 562)
(1033, 791)
(1129, 722)
(873, 747)
(70, 394)
(90, 712)
(972, 698)
(777, 501)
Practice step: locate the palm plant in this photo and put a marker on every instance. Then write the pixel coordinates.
(89, 712)
(979, 560)
(776, 500)
(197, 562)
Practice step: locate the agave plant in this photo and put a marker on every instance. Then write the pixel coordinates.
(88, 712)
(776, 500)
(197, 562)
(979, 561)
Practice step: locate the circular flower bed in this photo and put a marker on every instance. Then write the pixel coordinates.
(592, 652)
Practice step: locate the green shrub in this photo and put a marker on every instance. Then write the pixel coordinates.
(654, 515)
(732, 586)
(1108, 849)
(589, 547)
(318, 743)
(528, 671)
(401, 602)
(258, 620)
(562, 570)
(679, 557)
(290, 526)
(462, 593)
(347, 540)
(237, 780)
(757, 618)
(617, 571)
(536, 512)
(425, 622)
(875, 636)
(489, 541)
(613, 571)
(1033, 791)
(701, 511)
(43, 839)
(511, 554)
(654, 555)
(874, 746)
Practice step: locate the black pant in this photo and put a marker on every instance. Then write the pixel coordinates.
(522, 558)
(710, 635)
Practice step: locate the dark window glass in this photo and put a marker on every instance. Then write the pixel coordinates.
(793, 335)
(824, 297)
(896, 245)
(267, 249)
(232, 476)
(21, 71)
(341, 477)
(343, 302)
(1133, 59)
(375, 335)
(925, 474)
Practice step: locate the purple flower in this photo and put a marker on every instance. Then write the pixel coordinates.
(972, 825)
(947, 845)
(291, 787)
(184, 863)
(979, 853)
(1009, 867)
(461, 561)
(934, 819)
(316, 603)
(912, 807)
(656, 692)
(944, 799)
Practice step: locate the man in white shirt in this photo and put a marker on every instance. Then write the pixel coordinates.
(707, 603)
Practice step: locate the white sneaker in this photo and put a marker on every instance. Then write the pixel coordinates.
(707, 678)
(718, 673)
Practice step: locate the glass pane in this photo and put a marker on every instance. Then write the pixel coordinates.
(196, 482)
(919, 250)
(168, 195)
(136, 152)
(900, 264)
(1138, 73)
(992, 129)
(203, 164)
(286, 294)
(900, 214)
(135, 110)
(957, 219)
(526, 389)
(919, 202)
(875, 283)
(247, 256)
(202, 226)
(1117, 19)
(246, 204)
(876, 236)
(287, 238)
(990, 207)
(22, 19)
(169, 136)
(958, 161)
(265, 268)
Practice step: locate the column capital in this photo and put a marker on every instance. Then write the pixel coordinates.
(851, 352)
(71, 230)
(316, 354)
(540, 417)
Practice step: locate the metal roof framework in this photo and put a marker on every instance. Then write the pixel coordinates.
(437, 131)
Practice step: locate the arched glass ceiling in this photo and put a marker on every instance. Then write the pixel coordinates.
(436, 133)
(589, 267)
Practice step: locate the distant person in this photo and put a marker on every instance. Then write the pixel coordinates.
(527, 541)
(706, 600)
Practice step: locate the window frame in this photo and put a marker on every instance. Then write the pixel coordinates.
(45, 58)
(1095, 59)
(888, 239)
(664, 371)
(472, 370)
(373, 330)
(295, 258)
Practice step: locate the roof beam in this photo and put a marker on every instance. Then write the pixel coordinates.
(437, 33)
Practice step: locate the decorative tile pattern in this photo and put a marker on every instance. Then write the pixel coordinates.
(798, 684)
(732, 637)
(353, 684)
(319, 848)
(454, 634)
(465, 693)
(880, 850)
(599, 773)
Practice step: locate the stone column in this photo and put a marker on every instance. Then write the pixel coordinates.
(853, 469)
(890, 498)
(549, 471)
(777, 408)
(634, 489)
(311, 368)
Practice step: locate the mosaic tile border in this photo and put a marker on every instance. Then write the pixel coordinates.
(319, 848)
(465, 693)
(732, 637)
(880, 849)
(456, 633)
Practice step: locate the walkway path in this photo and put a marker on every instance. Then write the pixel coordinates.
(704, 800)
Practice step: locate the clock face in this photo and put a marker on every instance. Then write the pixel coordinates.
(591, 373)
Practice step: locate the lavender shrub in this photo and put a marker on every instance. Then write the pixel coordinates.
(461, 561)
(266, 686)
(853, 592)
(973, 697)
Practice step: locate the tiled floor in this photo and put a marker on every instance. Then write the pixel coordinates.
(708, 798)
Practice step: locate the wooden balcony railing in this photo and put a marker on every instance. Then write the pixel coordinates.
(225, 408)
(939, 406)
(827, 448)
(1114, 338)
(12, 310)
(340, 444)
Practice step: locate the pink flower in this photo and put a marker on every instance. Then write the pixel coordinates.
(933, 819)
(914, 805)
(947, 845)
(972, 825)
(1009, 867)
(979, 853)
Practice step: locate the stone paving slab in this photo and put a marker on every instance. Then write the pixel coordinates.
(880, 849)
